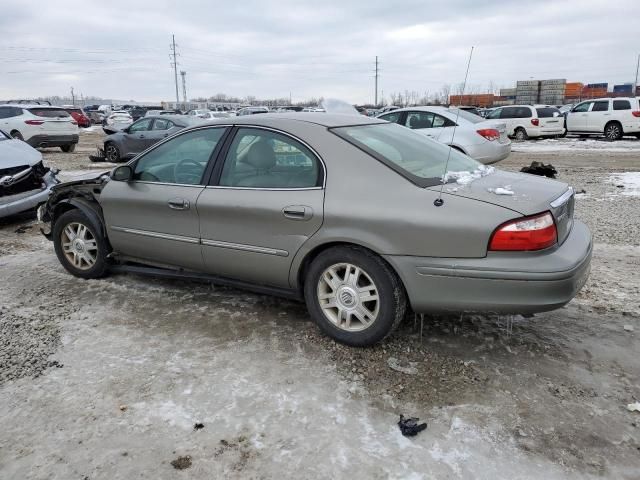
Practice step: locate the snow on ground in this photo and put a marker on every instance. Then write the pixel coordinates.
(576, 144)
(629, 180)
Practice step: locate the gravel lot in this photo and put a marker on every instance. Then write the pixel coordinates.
(106, 379)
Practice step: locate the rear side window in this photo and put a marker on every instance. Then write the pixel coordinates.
(600, 106)
(621, 105)
(393, 117)
(508, 112)
(523, 112)
(548, 112)
(419, 120)
(48, 112)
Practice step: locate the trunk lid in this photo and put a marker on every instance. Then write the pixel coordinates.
(500, 126)
(523, 193)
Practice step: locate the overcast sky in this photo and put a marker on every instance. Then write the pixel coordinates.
(117, 49)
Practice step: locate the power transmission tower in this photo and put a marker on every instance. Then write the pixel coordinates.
(376, 102)
(174, 64)
(183, 74)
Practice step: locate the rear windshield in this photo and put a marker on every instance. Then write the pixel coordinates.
(548, 112)
(471, 117)
(48, 112)
(411, 154)
(74, 110)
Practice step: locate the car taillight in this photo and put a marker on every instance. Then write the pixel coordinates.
(34, 122)
(529, 233)
(535, 122)
(636, 113)
(489, 133)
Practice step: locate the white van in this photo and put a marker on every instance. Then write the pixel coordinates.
(611, 117)
(527, 121)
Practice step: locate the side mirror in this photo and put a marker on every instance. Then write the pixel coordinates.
(123, 173)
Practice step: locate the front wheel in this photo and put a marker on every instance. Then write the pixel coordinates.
(80, 247)
(111, 153)
(354, 296)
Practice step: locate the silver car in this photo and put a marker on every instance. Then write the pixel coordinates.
(352, 214)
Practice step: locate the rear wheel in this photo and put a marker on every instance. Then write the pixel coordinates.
(80, 247)
(354, 296)
(68, 148)
(521, 135)
(111, 153)
(17, 135)
(613, 131)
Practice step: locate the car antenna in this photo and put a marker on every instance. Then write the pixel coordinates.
(438, 202)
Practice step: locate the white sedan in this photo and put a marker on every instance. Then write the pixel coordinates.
(483, 140)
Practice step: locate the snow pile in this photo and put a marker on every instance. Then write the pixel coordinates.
(465, 177)
(630, 182)
(573, 144)
(87, 130)
(506, 190)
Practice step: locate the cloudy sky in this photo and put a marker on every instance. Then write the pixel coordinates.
(117, 49)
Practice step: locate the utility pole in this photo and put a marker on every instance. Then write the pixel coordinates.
(175, 65)
(184, 88)
(73, 98)
(376, 96)
(636, 82)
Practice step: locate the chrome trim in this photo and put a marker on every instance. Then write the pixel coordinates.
(165, 236)
(562, 199)
(246, 248)
(224, 187)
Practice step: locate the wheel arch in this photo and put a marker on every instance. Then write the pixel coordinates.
(91, 210)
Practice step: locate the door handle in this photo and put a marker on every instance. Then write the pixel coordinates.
(178, 204)
(297, 212)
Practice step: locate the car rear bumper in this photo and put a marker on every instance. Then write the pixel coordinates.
(546, 131)
(502, 282)
(489, 152)
(45, 140)
(21, 202)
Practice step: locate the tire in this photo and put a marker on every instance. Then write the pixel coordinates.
(520, 135)
(68, 148)
(111, 153)
(370, 275)
(17, 135)
(613, 131)
(75, 257)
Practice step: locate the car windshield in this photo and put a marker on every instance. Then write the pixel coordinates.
(411, 154)
(471, 117)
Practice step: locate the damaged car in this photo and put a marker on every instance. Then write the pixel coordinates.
(25, 182)
(361, 218)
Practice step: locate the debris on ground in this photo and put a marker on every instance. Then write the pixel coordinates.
(394, 364)
(198, 426)
(99, 156)
(123, 408)
(410, 427)
(23, 229)
(539, 168)
(634, 407)
(181, 463)
(628, 328)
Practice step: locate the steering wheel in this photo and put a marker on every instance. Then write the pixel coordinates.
(188, 176)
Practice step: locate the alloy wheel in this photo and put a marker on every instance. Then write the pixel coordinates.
(79, 245)
(348, 297)
(112, 154)
(612, 132)
(520, 135)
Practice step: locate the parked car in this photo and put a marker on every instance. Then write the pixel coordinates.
(388, 108)
(252, 111)
(483, 140)
(526, 121)
(40, 125)
(25, 182)
(79, 116)
(611, 117)
(214, 115)
(348, 212)
(142, 134)
(137, 112)
(152, 113)
(198, 113)
(116, 121)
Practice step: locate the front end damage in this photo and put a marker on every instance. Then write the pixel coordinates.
(24, 187)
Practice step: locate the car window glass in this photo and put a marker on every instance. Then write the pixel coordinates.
(419, 120)
(547, 112)
(582, 107)
(508, 112)
(5, 112)
(621, 105)
(140, 126)
(392, 117)
(162, 124)
(48, 112)
(523, 112)
(181, 160)
(602, 106)
(264, 159)
(439, 121)
(495, 114)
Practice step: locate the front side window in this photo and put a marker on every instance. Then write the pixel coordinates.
(265, 159)
(393, 117)
(162, 124)
(419, 120)
(495, 114)
(621, 105)
(181, 160)
(140, 126)
(409, 153)
(582, 107)
(600, 106)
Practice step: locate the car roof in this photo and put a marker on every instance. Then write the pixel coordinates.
(424, 108)
(31, 105)
(318, 118)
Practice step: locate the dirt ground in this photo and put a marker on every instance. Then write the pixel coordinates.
(108, 378)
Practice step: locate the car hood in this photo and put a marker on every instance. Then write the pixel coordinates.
(521, 192)
(14, 153)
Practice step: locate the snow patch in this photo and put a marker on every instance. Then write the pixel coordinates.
(573, 144)
(630, 182)
(506, 190)
(465, 177)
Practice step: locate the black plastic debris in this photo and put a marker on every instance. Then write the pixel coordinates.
(23, 229)
(409, 427)
(99, 156)
(181, 463)
(198, 426)
(539, 168)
